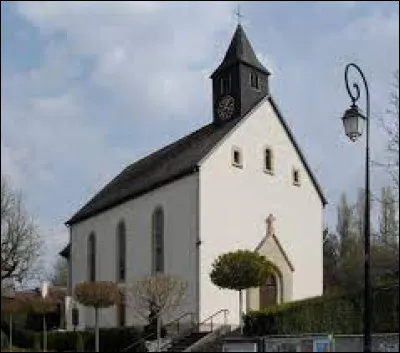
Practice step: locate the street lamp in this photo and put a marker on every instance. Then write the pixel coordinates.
(354, 121)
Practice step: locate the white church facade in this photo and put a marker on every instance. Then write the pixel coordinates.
(211, 192)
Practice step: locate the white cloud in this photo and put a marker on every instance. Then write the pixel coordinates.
(142, 52)
(105, 68)
(118, 79)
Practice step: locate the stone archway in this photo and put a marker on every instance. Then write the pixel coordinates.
(269, 292)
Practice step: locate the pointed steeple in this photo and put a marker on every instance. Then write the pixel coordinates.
(240, 81)
(240, 51)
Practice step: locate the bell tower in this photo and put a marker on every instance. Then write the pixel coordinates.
(240, 81)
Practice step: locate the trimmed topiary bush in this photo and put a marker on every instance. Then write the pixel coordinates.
(97, 295)
(240, 270)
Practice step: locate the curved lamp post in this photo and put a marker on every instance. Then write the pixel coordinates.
(353, 121)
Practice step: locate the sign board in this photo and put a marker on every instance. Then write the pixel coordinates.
(242, 344)
(240, 347)
(298, 344)
(45, 288)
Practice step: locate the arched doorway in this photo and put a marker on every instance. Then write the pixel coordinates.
(269, 292)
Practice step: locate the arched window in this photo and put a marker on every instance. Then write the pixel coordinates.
(91, 257)
(121, 251)
(158, 241)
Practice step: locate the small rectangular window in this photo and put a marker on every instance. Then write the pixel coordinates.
(237, 157)
(225, 83)
(296, 177)
(268, 161)
(254, 81)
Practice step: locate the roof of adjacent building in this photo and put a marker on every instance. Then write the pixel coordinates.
(240, 51)
(176, 160)
(66, 251)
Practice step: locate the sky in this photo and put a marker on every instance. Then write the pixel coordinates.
(89, 87)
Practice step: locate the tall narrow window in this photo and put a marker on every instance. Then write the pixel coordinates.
(91, 257)
(237, 159)
(296, 177)
(121, 251)
(268, 166)
(158, 240)
(225, 85)
(254, 81)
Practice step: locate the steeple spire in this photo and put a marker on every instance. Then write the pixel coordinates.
(240, 81)
(240, 51)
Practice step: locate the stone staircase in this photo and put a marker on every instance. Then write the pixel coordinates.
(200, 334)
(181, 344)
(188, 336)
(215, 344)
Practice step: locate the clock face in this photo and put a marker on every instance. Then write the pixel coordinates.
(226, 107)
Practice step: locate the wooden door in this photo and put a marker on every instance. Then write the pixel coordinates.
(268, 293)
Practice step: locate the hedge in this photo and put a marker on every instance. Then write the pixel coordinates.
(111, 339)
(21, 337)
(337, 313)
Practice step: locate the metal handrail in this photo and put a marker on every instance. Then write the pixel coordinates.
(210, 318)
(191, 330)
(165, 326)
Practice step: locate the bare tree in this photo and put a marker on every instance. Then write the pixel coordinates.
(388, 222)
(20, 242)
(60, 275)
(330, 260)
(159, 295)
(390, 123)
(345, 223)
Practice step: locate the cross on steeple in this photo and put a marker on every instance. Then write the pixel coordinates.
(270, 224)
(238, 14)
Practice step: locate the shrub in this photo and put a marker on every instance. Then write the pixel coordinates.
(111, 339)
(37, 343)
(21, 338)
(80, 344)
(4, 340)
(337, 313)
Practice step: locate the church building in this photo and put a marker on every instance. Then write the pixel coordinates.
(239, 182)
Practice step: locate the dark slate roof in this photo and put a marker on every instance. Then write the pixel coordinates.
(66, 251)
(170, 163)
(159, 168)
(240, 51)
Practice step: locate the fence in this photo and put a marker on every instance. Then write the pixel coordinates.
(312, 343)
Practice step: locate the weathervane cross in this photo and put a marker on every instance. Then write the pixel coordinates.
(238, 14)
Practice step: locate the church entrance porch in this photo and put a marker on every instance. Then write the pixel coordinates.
(269, 292)
(278, 286)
